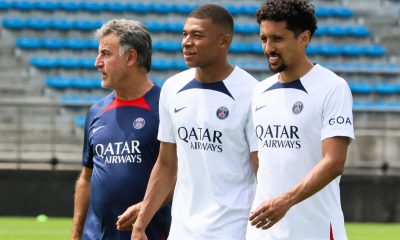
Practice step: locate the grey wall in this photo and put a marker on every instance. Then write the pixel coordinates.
(31, 192)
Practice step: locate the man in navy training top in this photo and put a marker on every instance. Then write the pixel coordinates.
(120, 144)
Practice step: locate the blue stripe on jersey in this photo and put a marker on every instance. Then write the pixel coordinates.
(217, 86)
(295, 85)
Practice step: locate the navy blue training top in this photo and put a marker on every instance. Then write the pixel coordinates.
(121, 147)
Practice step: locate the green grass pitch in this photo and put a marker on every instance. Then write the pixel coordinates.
(25, 228)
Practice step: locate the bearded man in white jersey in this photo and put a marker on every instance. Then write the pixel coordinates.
(303, 123)
(207, 138)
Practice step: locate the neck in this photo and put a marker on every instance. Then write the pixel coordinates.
(136, 86)
(295, 73)
(214, 72)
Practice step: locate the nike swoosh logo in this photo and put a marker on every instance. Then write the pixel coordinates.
(98, 128)
(178, 109)
(261, 107)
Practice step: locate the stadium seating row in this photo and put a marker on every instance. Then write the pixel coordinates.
(365, 87)
(35, 23)
(45, 62)
(174, 46)
(357, 87)
(82, 82)
(148, 7)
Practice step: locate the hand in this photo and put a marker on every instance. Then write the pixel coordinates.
(128, 218)
(138, 233)
(269, 212)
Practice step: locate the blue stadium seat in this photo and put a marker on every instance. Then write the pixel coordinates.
(43, 62)
(175, 27)
(86, 24)
(24, 5)
(79, 120)
(58, 82)
(357, 31)
(14, 23)
(341, 12)
(87, 62)
(375, 50)
(92, 44)
(328, 49)
(38, 23)
(70, 6)
(48, 6)
(323, 12)
(386, 88)
(52, 43)
(361, 87)
(352, 50)
(161, 8)
(68, 62)
(75, 44)
(362, 105)
(244, 28)
(28, 43)
(184, 8)
(249, 9)
(92, 6)
(115, 7)
(5, 5)
(61, 24)
(138, 7)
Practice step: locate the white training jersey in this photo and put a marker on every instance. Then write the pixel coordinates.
(291, 120)
(212, 127)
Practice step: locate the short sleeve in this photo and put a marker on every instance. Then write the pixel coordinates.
(165, 130)
(87, 153)
(250, 133)
(337, 113)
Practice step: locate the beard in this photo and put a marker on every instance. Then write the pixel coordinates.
(278, 69)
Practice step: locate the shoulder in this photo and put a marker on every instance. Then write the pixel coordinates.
(327, 76)
(265, 84)
(178, 80)
(240, 82)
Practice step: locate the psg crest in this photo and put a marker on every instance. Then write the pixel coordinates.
(138, 123)
(222, 113)
(297, 107)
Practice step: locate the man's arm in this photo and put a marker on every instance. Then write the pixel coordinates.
(82, 197)
(254, 161)
(162, 180)
(334, 151)
(128, 218)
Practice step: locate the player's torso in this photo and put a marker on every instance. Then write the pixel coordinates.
(125, 146)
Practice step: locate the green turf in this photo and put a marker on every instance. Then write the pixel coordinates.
(21, 228)
(370, 231)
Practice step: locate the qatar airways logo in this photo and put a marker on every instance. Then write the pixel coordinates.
(279, 136)
(119, 152)
(201, 138)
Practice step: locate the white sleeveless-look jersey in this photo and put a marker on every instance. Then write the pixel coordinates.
(212, 127)
(291, 120)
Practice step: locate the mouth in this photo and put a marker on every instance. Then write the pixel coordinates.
(273, 58)
(188, 54)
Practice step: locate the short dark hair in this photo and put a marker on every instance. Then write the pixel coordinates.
(299, 15)
(217, 14)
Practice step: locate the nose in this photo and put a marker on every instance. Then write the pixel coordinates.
(268, 47)
(99, 62)
(186, 41)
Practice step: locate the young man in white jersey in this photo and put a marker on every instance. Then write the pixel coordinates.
(303, 123)
(207, 138)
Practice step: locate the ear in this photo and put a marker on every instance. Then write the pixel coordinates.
(131, 57)
(305, 37)
(226, 40)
